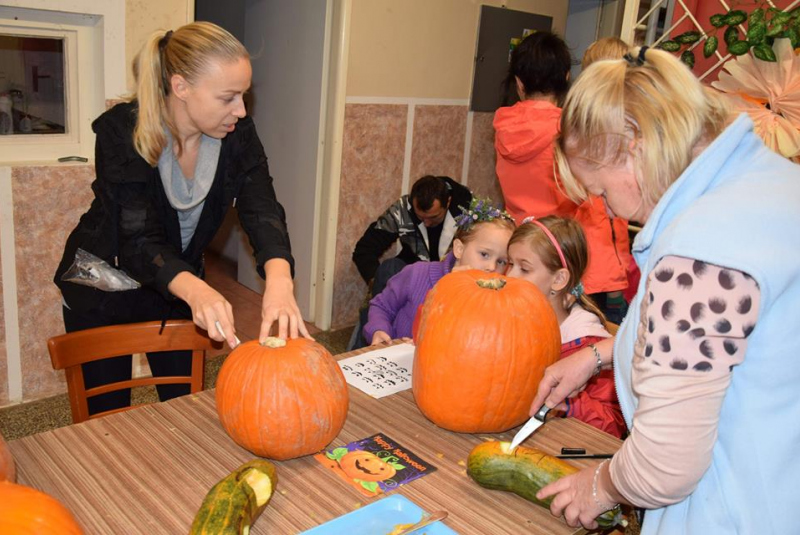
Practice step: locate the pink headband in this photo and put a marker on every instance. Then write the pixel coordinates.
(532, 219)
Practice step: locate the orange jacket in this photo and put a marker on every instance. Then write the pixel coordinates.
(609, 248)
(524, 135)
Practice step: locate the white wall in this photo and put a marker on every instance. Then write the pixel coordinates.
(286, 41)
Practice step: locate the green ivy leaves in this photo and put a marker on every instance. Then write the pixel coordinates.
(763, 27)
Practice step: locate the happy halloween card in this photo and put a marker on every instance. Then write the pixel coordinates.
(374, 465)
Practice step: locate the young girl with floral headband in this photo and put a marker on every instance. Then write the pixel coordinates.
(552, 254)
(480, 242)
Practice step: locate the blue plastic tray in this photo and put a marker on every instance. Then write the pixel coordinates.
(379, 518)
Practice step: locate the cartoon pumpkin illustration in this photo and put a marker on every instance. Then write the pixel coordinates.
(366, 466)
(364, 469)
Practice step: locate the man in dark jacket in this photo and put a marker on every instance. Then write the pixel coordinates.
(423, 221)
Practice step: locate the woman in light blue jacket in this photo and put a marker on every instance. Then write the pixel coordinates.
(707, 362)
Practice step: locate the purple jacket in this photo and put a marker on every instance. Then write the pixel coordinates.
(393, 310)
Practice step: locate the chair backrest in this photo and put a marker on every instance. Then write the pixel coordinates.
(69, 351)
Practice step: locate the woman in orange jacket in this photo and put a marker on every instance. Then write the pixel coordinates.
(524, 135)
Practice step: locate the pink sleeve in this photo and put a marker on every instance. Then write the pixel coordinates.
(696, 318)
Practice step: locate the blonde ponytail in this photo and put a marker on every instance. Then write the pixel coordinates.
(187, 52)
(656, 105)
(148, 136)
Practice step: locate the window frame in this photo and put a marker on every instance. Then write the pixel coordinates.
(94, 50)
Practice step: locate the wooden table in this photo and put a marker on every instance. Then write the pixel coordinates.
(147, 470)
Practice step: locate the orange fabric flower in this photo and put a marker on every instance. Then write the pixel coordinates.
(770, 93)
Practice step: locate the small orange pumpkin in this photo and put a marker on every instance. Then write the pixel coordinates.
(7, 469)
(484, 342)
(24, 510)
(366, 466)
(282, 400)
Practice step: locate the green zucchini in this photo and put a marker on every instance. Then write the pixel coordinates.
(524, 472)
(235, 502)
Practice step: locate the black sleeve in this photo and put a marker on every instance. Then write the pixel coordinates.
(369, 249)
(261, 215)
(123, 187)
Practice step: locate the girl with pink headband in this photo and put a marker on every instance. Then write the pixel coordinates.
(551, 253)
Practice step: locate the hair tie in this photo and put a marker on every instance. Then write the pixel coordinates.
(162, 43)
(639, 61)
(577, 291)
(532, 219)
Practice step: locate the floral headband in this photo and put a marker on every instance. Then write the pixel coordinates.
(479, 211)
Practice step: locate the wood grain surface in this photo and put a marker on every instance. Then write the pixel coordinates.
(146, 471)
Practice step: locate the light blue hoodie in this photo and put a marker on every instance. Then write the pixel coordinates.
(737, 205)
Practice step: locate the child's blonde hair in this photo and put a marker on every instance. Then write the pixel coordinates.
(187, 51)
(572, 241)
(605, 48)
(649, 105)
(467, 234)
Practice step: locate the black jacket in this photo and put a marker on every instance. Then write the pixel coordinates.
(400, 222)
(132, 221)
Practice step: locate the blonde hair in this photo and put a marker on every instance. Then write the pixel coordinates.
(466, 235)
(188, 51)
(605, 48)
(656, 109)
(572, 241)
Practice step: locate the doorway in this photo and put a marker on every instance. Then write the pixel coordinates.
(287, 41)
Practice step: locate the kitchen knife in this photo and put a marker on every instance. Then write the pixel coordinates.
(532, 425)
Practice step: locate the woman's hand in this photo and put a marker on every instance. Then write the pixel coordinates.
(573, 498)
(379, 338)
(279, 304)
(210, 310)
(565, 378)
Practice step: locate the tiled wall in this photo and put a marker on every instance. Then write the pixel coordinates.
(378, 166)
(3, 352)
(47, 203)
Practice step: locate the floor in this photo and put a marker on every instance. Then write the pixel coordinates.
(17, 421)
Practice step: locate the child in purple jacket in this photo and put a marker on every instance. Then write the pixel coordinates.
(481, 242)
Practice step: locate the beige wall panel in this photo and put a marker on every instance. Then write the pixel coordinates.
(482, 178)
(423, 48)
(142, 17)
(48, 201)
(438, 142)
(372, 175)
(3, 350)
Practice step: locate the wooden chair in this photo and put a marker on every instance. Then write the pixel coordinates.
(69, 351)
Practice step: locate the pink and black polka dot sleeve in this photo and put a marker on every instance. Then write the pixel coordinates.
(699, 315)
(695, 320)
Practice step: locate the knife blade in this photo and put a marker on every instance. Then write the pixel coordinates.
(530, 426)
(218, 325)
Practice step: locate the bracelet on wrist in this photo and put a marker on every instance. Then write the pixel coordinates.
(604, 506)
(599, 359)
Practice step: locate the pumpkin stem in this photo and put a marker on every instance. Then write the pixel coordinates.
(491, 284)
(274, 342)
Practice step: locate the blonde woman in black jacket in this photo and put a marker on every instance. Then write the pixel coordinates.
(169, 165)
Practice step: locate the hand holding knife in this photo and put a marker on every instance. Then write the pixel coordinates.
(218, 325)
(532, 425)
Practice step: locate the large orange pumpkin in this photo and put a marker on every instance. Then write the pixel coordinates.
(484, 341)
(282, 400)
(7, 469)
(27, 511)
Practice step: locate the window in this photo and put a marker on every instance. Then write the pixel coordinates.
(51, 83)
(32, 97)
